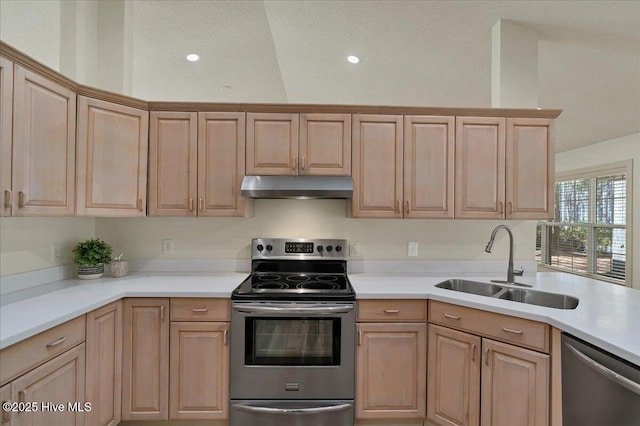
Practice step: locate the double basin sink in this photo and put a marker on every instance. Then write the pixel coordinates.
(530, 297)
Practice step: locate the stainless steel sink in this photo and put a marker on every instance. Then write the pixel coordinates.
(473, 287)
(532, 297)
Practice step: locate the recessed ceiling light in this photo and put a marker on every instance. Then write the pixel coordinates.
(192, 57)
(353, 59)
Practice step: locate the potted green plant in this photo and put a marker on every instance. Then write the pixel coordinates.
(90, 256)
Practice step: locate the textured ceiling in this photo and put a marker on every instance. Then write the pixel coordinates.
(435, 53)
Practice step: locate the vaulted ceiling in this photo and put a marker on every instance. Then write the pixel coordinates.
(414, 53)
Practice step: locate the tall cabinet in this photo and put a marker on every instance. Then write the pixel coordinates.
(112, 159)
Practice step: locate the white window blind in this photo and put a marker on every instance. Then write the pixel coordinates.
(588, 235)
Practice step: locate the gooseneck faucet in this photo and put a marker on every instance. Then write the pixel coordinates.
(510, 272)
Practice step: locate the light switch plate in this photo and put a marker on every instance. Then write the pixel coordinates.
(412, 249)
(354, 248)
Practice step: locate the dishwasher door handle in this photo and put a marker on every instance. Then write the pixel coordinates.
(314, 410)
(618, 378)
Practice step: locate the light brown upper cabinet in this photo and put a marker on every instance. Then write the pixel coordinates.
(530, 169)
(44, 146)
(196, 163)
(504, 174)
(221, 163)
(298, 144)
(377, 166)
(112, 159)
(173, 163)
(6, 132)
(480, 167)
(403, 170)
(429, 149)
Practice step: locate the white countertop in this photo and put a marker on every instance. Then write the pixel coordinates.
(607, 315)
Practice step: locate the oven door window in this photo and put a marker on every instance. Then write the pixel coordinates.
(292, 341)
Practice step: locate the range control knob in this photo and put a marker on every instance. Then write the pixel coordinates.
(319, 248)
(259, 247)
(329, 248)
(269, 247)
(338, 249)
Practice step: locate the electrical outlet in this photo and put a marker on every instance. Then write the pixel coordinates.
(56, 253)
(167, 246)
(412, 249)
(354, 248)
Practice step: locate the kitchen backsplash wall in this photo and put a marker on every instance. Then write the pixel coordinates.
(379, 239)
(26, 242)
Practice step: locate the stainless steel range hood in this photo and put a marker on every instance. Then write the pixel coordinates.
(297, 187)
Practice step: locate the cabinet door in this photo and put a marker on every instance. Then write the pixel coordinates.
(429, 147)
(221, 163)
(59, 383)
(44, 146)
(5, 396)
(272, 144)
(145, 360)
(515, 386)
(173, 164)
(104, 365)
(453, 380)
(480, 167)
(530, 159)
(199, 370)
(112, 159)
(325, 144)
(6, 133)
(377, 166)
(391, 374)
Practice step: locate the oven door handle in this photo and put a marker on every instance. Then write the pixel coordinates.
(311, 309)
(315, 410)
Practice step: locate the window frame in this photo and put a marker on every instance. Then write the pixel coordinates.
(603, 170)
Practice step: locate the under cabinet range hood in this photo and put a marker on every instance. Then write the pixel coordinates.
(297, 187)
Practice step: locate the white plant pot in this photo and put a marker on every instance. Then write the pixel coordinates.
(90, 272)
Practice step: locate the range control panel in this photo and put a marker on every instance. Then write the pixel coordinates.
(298, 248)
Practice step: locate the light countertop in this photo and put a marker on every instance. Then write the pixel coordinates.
(607, 315)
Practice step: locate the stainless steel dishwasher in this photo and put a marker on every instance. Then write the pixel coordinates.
(598, 388)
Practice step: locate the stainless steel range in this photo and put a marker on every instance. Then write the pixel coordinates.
(293, 336)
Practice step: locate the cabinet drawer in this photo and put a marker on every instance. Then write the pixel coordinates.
(519, 331)
(390, 310)
(26, 355)
(200, 309)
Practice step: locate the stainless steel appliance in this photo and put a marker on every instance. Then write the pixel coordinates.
(598, 388)
(293, 336)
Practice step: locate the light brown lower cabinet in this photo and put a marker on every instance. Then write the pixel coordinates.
(104, 365)
(453, 380)
(53, 386)
(5, 396)
(145, 361)
(199, 370)
(391, 370)
(479, 381)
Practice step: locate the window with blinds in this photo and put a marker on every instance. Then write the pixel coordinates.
(588, 235)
